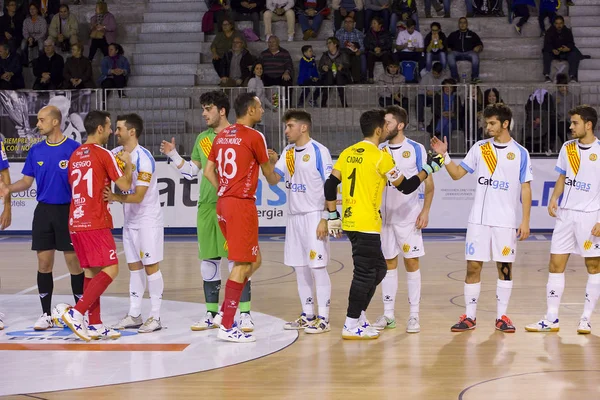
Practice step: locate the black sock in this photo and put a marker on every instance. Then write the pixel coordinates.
(246, 293)
(45, 284)
(211, 296)
(77, 286)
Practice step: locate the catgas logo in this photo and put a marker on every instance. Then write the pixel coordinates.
(306, 158)
(494, 184)
(406, 154)
(578, 185)
(510, 156)
(593, 157)
(295, 187)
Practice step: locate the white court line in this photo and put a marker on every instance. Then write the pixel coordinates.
(3, 237)
(58, 278)
(571, 304)
(540, 237)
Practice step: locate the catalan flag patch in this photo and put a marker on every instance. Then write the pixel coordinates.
(290, 160)
(205, 146)
(489, 157)
(573, 157)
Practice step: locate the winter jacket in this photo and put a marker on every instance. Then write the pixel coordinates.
(387, 81)
(404, 6)
(463, 41)
(37, 30)
(307, 70)
(376, 5)
(341, 58)
(245, 64)
(54, 65)
(109, 21)
(555, 39)
(107, 65)
(12, 63)
(72, 28)
(5, 26)
(335, 4)
(382, 39)
(78, 68)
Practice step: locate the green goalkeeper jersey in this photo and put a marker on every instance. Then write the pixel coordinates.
(208, 193)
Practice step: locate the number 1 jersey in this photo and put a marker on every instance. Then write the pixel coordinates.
(91, 169)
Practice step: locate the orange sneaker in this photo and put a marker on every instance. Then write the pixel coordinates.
(464, 324)
(505, 325)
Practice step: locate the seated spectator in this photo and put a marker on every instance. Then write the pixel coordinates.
(77, 73)
(446, 111)
(48, 9)
(352, 42)
(11, 27)
(435, 46)
(248, 10)
(491, 96)
(115, 68)
(402, 10)
(389, 82)
(520, 8)
(35, 30)
(256, 85)
(64, 29)
(103, 30)
(277, 64)
(410, 45)
(334, 67)
(308, 75)
(539, 126)
(378, 8)
(48, 68)
(547, 10)
(560, 45)
(237, 65)
(280, 10)
(11, 71)
(222, 43)
(429, 86)
(565, 101)
(466, 45)
(378, 46)
(438, 7)
(345, 8)
(311, 10)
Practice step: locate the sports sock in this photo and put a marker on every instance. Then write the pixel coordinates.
(77, 286)
(137, 287)
(94, 311)
(211, 296)
(230, 265)
(413, 282)
(351, 323)
(93, 291)
(323, 288)
(233, 292)
(45, 288)
(503, 290)
(554, 290)
(389, 288)
(304, 279)
(156, 286)
(592, 292)
(246, 297)
(471, 292)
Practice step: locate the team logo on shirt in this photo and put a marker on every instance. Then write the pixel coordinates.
(144, 255)
(489, 156)
(593, 157)
(40, 163)
(507, 251)
(306, 158)
(348, 212)
(406, 248)
(205, 145)
(145, 177)
(63, 164)
(290, 160)
(313, 254)
(587, 245)
(578, 185)
(78, 212)
(510, 156)
(573, 156)
(406, 154)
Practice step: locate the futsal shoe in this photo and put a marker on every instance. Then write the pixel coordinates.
(504, 324)
(151, 325)
(384, 322)
(235, 334)
(543, 326)
(218, 318)
(359, 333)
(99, 331)
(1, 321)
(301, 322)
(74, 320)
(44, 322)
(246, 323)
(205, 323)
(413, 325)
(129, 322)
(464, 324)
(584, 327)
(319, 325)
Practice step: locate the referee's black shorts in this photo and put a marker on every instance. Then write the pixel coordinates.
(51, 228)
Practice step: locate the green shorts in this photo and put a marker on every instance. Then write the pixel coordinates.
(211, 243)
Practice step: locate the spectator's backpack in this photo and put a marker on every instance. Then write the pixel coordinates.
(410, 70)
(487, 7)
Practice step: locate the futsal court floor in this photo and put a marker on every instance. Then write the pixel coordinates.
(434, 364)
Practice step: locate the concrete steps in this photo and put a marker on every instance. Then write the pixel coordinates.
(172, 27)
(159, 59)
(169, 48)
(129, 103)
(163, 17)
(181, 6)
(164, 69)
(585, 10)
(171, 38)
(161, 80)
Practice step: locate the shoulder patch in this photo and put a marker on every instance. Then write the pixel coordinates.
(205, 145)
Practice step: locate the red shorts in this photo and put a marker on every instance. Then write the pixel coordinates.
(238, 220)
(95, 248)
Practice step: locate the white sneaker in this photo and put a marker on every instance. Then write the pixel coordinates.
(74, 320)
(235, 335)
(413, 326)
(100, 331)
(543, 326)
(290, 38)
(151, 325)
(129, 322)
(206, 323)
(384, 322)
(584, 326)
(246, 323)
(319, 325)
(359, 333)
(218, 318)
(1, 321)
(301, 322)
(44, 322)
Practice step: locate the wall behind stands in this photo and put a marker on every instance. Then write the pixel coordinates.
(450, 210)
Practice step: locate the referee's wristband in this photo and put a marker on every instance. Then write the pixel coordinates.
(447, 159)
(175, 157)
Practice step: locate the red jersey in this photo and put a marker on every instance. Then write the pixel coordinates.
(238, 152)
(91, 169)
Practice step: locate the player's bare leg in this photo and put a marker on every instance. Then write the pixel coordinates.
(503, 291)
(472, 290)
(45, 283)
(592, 293)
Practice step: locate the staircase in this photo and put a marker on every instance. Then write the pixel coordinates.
(585, 22)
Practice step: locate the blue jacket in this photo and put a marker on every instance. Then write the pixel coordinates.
(549, 5)
(307, 70)
(122, 63)
(523, 2)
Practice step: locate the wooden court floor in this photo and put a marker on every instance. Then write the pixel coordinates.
(434, 364)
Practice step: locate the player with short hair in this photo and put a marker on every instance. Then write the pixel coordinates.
(232, 168)
(47, 164)
(91, 169)
(5, 217)
(143, 228)
(363, 170)
(304, 165)
(575, 203)
(503, 170)
(403, 218)
(211, 243)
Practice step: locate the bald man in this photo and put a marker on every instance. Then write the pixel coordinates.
(47, 163)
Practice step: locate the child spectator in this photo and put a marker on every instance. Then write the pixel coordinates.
(389, 81)
(308, 75)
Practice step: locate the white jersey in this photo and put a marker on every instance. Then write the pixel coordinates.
(398, 208)
(581, 167)
(500, 168)
(148, 213)
(305, 170)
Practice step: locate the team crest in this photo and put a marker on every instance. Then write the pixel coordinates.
(313, 254)
(587, 245)
(405, 248)
(63, 164)
(359, 150)
(510, 156)
(507, 250)
(593, 157)
(40, 163)
(306, 158)
(406, 154)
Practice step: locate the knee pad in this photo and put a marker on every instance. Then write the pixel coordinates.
(210, 270)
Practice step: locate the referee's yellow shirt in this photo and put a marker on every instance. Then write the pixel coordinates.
(364, 173)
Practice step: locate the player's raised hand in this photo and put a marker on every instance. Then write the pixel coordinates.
(124, 156)
(596, 230)
(167, 147)
(523, 231)
(322, 230)
(273, 156)
(553, 207)
(438, 146)
(433, 163)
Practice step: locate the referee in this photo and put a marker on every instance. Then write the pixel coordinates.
(363, 170)
(47, 163)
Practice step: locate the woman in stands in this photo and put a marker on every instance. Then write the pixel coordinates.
(103, 30)
(77, 73)
(115, 69)
(35, 31)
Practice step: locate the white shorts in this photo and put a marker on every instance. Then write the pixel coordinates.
(401, 239)
(573, 234)
(144, 244)
(485, 243)
(302, 248)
